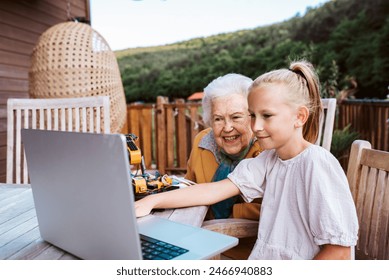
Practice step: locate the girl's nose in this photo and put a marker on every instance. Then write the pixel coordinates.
(256, 124)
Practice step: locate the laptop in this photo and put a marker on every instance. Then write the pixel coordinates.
(84, 201)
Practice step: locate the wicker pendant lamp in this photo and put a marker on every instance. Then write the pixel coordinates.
(73, 60)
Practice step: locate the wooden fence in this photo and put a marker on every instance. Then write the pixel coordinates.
(369, 118)
(166, 130)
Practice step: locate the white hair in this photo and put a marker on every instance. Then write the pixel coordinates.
(223, 86)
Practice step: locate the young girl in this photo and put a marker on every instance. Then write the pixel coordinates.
(307, 210)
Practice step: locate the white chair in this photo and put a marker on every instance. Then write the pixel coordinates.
(84, 114)
(242, 228)
(327, 119)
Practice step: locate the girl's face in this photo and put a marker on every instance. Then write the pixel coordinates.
(231, 123)
(276, 124)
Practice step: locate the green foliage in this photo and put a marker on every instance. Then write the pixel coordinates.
(342, 38)
(342, 140)
(330, 85)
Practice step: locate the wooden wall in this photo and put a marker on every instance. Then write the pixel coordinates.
(21, 24)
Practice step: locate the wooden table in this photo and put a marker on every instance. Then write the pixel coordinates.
(19, 232)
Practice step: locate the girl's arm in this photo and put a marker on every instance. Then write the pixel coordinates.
(333, 252)
(201, 194)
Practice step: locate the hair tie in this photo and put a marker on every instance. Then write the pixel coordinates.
(299, 73)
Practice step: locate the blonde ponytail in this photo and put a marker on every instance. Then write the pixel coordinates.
(306, 71)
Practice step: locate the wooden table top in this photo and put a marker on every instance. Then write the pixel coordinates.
(19, 231)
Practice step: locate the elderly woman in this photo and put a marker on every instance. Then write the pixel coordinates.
(229, 139)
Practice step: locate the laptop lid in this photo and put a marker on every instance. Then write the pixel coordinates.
(85, 204)
(79, 187)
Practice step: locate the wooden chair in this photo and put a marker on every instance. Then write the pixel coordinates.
(84, 114)
(242, 228)
(368, 176)
(327, 119)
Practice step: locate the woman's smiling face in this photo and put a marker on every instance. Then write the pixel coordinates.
(231, 123)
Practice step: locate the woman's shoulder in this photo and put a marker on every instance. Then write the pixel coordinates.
(201, 135)
(203, 132)
(255, 150)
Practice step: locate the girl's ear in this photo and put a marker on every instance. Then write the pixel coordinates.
(302, 116)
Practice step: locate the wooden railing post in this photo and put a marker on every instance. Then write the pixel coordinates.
(161, 134)
(146, 131)
(170, 135)
(182, 155)
(194, 124)
(133, 120)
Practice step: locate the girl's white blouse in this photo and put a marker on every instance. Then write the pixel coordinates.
(306, 203)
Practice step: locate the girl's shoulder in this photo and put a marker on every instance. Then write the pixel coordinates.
(266, 157)
(313, 156)
(318, 152)
(267, 154)
(316, 157)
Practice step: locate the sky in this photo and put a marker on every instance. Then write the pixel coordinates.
(133, 23)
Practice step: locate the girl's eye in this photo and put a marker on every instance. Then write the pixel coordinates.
(252, 116)
(266, 116)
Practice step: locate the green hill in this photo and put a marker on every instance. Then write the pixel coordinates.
(345, 39)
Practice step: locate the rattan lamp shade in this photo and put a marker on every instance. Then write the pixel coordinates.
(73, 60)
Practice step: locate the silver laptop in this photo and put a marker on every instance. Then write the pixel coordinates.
(85, 205)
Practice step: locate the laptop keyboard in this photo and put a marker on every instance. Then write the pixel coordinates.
(154, 249)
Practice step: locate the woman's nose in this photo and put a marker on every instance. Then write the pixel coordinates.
(228, 125)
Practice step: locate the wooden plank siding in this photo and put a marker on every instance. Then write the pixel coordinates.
(21, 24)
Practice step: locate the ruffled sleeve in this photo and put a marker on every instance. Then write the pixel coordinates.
(249, 176)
